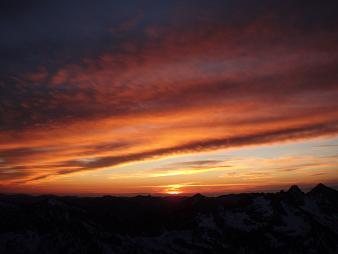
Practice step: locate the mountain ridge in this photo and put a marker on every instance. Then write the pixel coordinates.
(283, 222)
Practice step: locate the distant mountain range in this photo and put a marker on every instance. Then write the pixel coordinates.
(285, 222)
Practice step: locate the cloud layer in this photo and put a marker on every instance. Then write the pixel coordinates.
(87, 87)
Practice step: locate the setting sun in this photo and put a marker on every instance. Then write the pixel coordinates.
(173, 192)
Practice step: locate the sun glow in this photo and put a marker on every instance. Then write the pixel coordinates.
(173, 192)
(173, 189)
(158, 108)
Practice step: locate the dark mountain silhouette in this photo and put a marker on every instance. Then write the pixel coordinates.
(283, 222)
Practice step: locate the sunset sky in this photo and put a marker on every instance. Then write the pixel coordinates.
(167, 97)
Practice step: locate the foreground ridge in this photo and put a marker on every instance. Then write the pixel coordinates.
(283, 222)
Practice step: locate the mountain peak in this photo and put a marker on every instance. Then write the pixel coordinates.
(197, 197)
(296, 194)
(321, 188)
(295, 189)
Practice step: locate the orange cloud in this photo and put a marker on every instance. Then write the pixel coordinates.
(177, 90)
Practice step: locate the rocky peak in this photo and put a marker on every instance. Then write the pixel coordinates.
(294, 189)
(198, 196)
(296, 194)
(321, 189)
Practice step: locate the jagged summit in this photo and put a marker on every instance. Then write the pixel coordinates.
(198, 196)
(295, 190)
(296, 194)
(321, 189)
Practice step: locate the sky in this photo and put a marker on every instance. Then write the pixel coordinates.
(167, 97)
